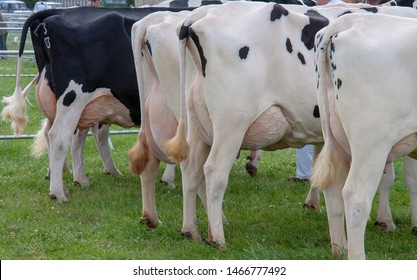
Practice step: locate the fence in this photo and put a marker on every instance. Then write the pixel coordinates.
(14, 23)
(8, 76)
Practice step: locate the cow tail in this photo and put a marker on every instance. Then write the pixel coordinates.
(177, 147)
(15, 109)
(40, 145)
(139, 154)
(323, 169)
(328, 161)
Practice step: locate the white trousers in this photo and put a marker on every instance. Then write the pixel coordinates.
(304, 162)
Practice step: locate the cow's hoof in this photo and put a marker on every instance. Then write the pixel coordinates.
(191, 235)
(59, 199)
(384, 226)
(187, 234)
(252, 170)
(116, 173)
(168, 185)
(149, 223)
(414, 230)
(82, 183)
(311, 206)
(218, 245)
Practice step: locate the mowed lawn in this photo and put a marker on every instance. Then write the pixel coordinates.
(266, 215)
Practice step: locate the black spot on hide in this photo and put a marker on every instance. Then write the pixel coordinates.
(183, 32)
(243, 52)
(316, 112)
(69, 98)
(288, 45)
(339, 83)
(301, 58)
(277, 12)
(345, 13)
(371, 10)
(309, 31)
(196, 41)
(149, 47)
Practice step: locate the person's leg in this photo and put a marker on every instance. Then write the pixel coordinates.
(304, 163)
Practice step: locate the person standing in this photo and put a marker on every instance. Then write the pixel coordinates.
(42, 6)
(304, 164)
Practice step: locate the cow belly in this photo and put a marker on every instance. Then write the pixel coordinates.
(406, 146)
(105, 108)
(267, 130)
(199, 114)
(46, 98)
(161, 124)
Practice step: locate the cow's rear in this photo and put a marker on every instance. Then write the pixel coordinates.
(367, 108)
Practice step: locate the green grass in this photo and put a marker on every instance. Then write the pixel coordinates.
(265, 214)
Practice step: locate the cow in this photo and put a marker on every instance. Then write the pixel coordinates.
(244, 95)
(85, 79)
(101, 137)
(155, 51)
(351, 100)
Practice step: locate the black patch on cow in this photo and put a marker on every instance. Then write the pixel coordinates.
(149, 47)
(69, 98)
(243, 52)
(178, 3)
(196, 41)
(371, 10)
(316, 112)
(332, 47)
(210, 2)
(309, 31)
(183, 32)
(288, 45)
(345, 13)
(301, 58)
(277, 12)
(339, 83)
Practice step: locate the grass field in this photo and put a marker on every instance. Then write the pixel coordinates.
(265, 214)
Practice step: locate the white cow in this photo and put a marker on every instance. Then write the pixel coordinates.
(367, 98)
(155, 50)
(247, 94)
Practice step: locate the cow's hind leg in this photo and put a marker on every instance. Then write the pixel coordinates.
(77, 149)
(312, 200)
(216, 171)
(329, 174)
(360, 188)
(384, 219)
(101, 137)
(253, 163)
(148, 179)
(193, 181)
(168, 177)
(69, 109)
(410, 170)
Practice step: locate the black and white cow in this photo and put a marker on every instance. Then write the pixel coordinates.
(87, 75)
(358, 92)
(245, 95)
